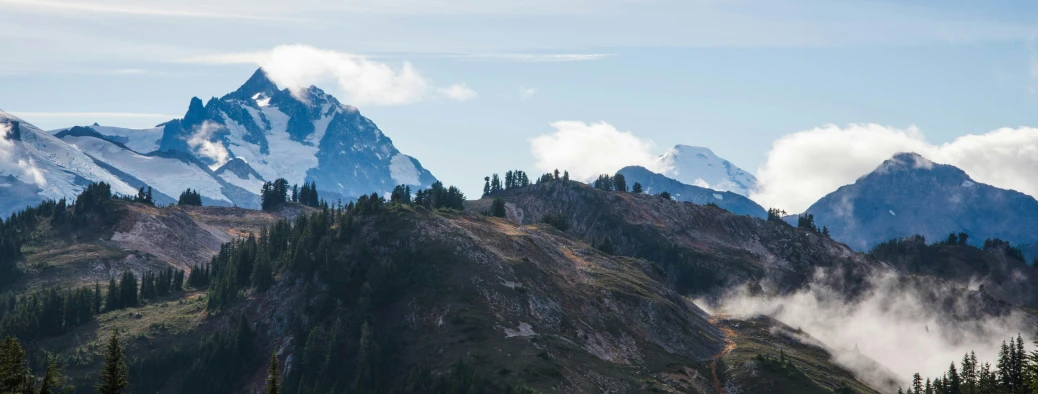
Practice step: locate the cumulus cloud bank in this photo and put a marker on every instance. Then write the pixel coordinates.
(587, 150)
(365, 81)
(805, 166)
(906, 327)
(27, 169)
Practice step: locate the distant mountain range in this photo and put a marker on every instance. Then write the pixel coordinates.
(699, 166)
(656, 183)
(909, 194)
(225, 148)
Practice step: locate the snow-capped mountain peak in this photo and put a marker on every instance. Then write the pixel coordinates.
(699, 166)
(225, 148)
(304, 135)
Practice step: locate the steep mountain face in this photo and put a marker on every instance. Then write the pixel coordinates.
(35, 165)
(698, 166)
(909, 194)
(302, 136)
(654, 183)
(224, 149)
(167, 173)
(703, 250)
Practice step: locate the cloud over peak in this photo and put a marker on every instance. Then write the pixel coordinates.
(587, 150)
(805, 166)
(365, 81)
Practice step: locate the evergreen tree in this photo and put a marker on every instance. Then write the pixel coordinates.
(401, 195)
(565, 176)
(606, 246)
(190, 197)
(968, 373)
(954, 384)
(97, 298)
(495, 184)
(917, 384)
(368, 361)
(114, 375)
(12, 366)
(963, 237)
(807, 222)
(112, 297)
(620, 183)
(60, 214)
(263, 274)
(604, 182)
(54, 380)
(273, 194)
(637, 188)
(273, 376)
(486, 186)
(128, 290)
(497, 208)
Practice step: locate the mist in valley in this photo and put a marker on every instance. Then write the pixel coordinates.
(904, 324)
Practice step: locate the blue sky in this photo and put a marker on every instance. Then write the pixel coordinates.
(733, 76)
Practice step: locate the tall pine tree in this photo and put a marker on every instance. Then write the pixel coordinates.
(273, 376)
(114, 376)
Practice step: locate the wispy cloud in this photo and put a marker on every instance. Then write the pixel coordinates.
(365, 81)
(791, 177)
(459, 92)
(537, 57)
(114, 8)
(527, 93)
(128, 71)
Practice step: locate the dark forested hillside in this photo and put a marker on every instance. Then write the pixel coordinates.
(537, 287)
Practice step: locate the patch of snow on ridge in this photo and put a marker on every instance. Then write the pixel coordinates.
(525, 330)
(718, 196)
(286, 158)
(967, 183)
(168, 176)
(892, 213)
(321, 125)
(251, 184)
(403, 171)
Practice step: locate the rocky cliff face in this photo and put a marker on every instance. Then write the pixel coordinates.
(702, 249)
(302, 136)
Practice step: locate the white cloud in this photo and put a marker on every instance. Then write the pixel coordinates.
(540, 57)
(459, 92)
(805, 166)
(201, 141)
(894, 322)
(527, 93)
(365, 81)
(10, 165)
(588, 150)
